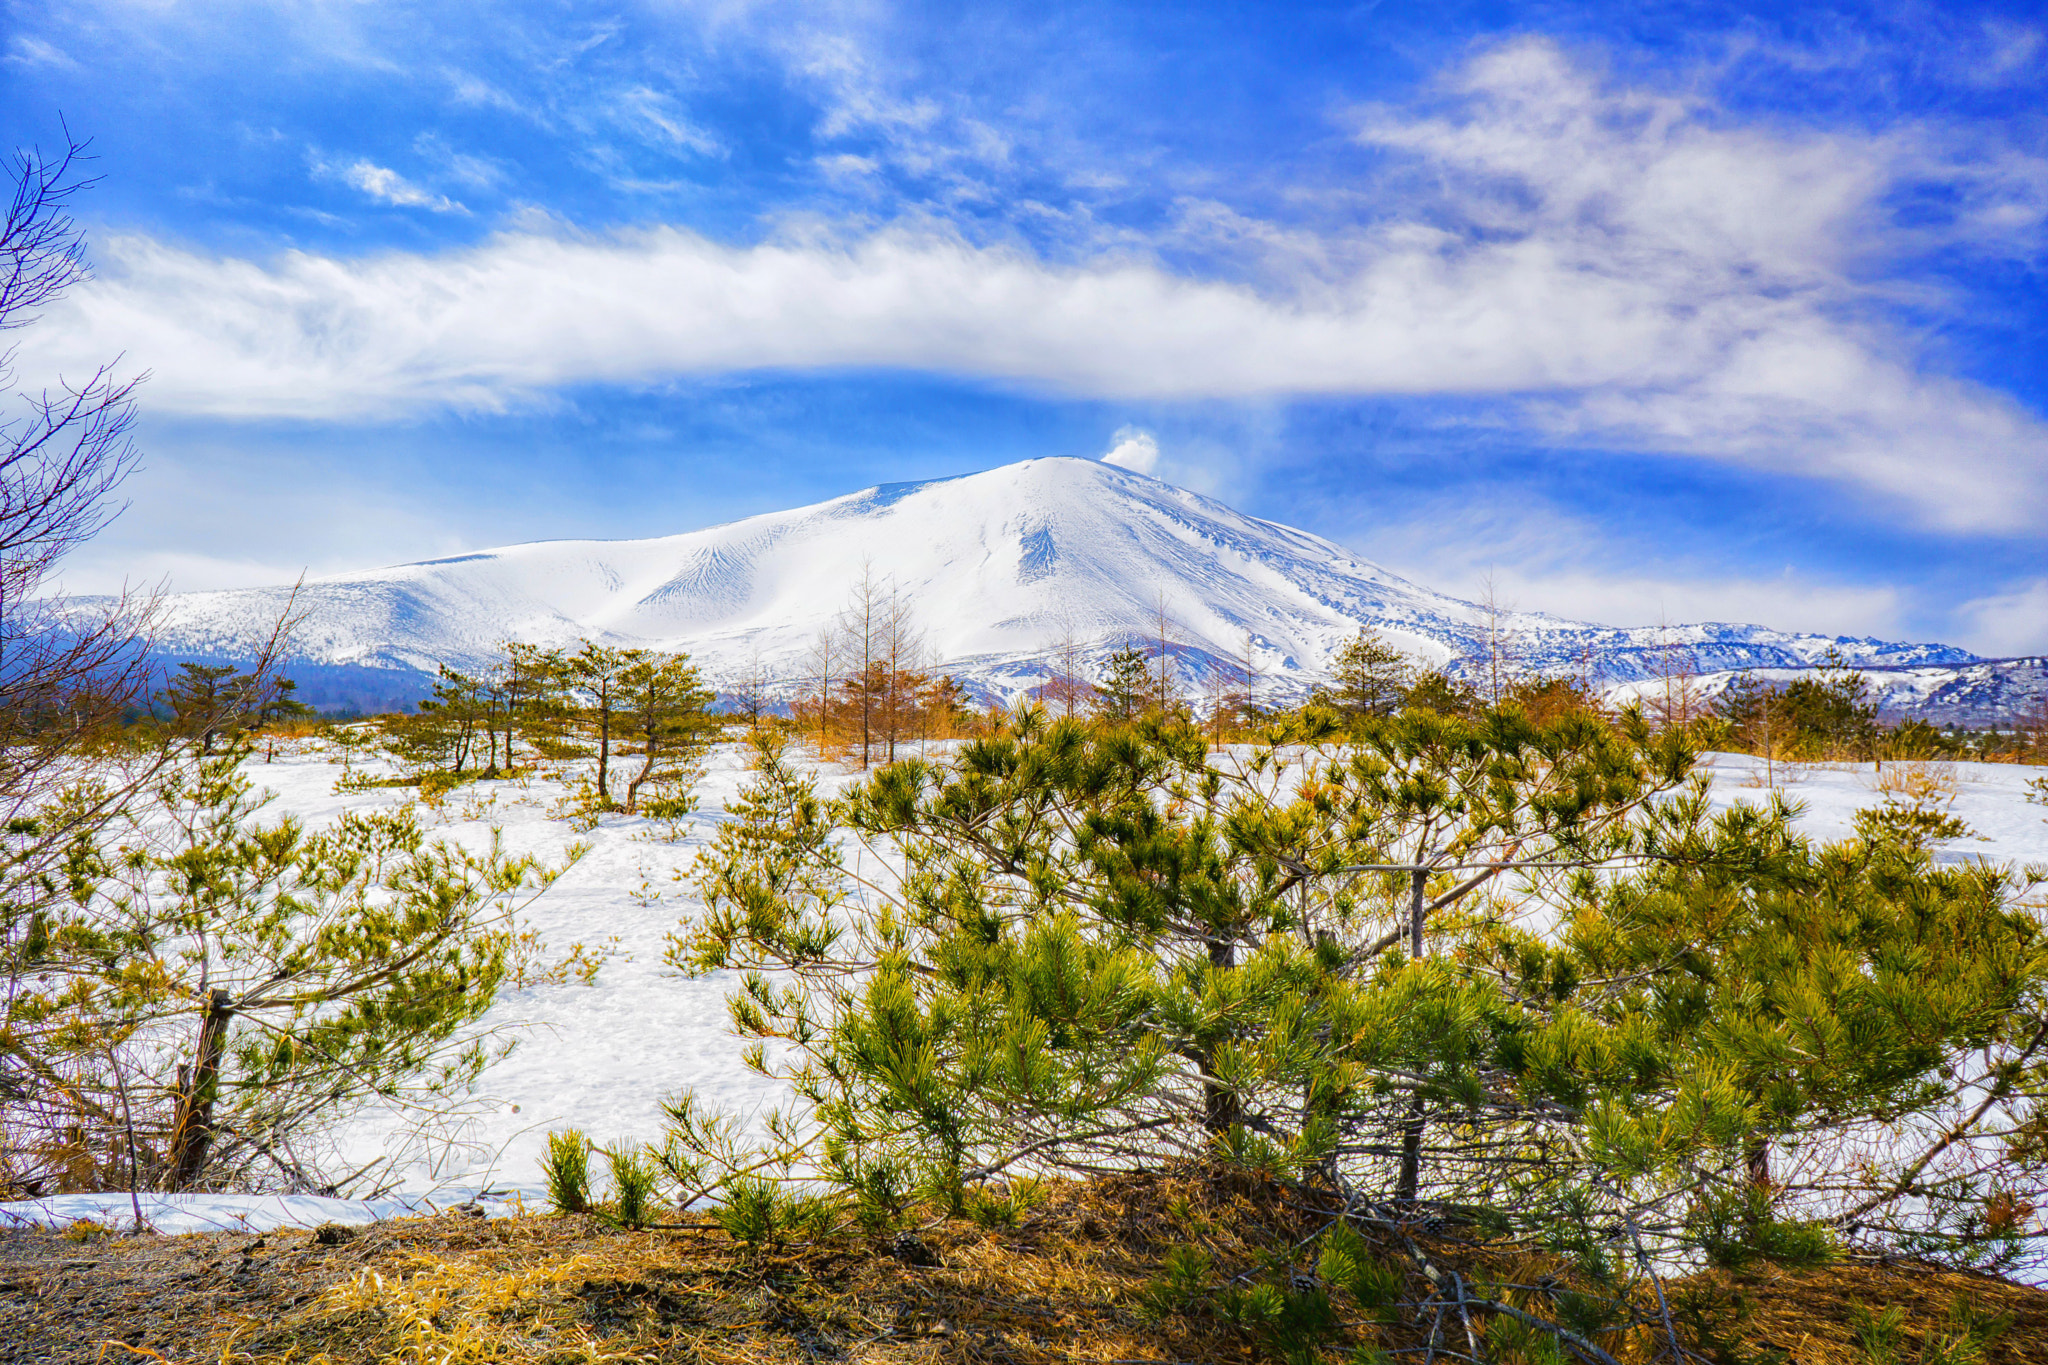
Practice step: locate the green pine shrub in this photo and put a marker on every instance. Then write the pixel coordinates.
(565, 1166)
(1607, 1021)
(635, 1177)
(198, 992)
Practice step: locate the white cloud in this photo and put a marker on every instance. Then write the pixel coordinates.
(641, 107)
(476, 92)
(2014, 621)
(1624, 269)
(1766, 243)
(846, 166)
(24, 50)
(384, 184)
(1536, 556)
(1134, 450)
(478, 172)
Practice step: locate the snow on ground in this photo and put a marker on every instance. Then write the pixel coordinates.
(180, 1213)
(600, 1056)
(1991, 798)
(597, 1055)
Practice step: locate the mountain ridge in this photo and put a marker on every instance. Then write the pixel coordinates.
(997, 566)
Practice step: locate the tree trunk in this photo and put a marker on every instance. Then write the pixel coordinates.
(1221, 1110)
(192, 1134)
(604, 748)
(633, 787)
(1409, 1183)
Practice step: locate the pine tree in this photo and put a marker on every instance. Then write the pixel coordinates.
(665, 709)
(217, 990)
(210, 702)
(1437, 691)
(445, 737)
(1829, 712)
(1521, 975)
(1125, 689)
(1369, 678)
(537, 702)
(593, 675)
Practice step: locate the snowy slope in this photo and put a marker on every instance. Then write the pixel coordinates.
(998, 567)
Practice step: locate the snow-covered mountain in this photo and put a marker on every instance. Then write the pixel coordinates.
(998, 568)
(1987, 692)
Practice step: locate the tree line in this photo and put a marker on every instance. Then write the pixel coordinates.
(871, 685)
(643, 715)
(1826, 714)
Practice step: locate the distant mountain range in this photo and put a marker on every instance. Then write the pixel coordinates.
(997, 568)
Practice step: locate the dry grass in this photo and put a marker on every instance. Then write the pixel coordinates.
(1825, 1317)
(1928, 785)
(1781, 772)
(1067, 1283)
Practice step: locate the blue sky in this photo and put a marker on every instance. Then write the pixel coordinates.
(1640, 312)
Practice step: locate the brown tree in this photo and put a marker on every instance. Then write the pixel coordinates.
(1679, 698)
(824, 664)
(65, 672)
(1494, 665)
(1067, 687)
(1165, 643)
(861, 625)
(902, 650)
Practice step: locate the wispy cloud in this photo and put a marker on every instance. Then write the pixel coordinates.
(387, 186)
(1613, 266)
(649, 110)
(26, 50)
(473, 91)
(464, 168)
(2013, 620)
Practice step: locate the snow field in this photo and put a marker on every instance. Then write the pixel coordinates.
(601, 1055)
(1991, 798)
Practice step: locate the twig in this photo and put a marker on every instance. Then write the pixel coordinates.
(1471, 1337)
(128, 1127)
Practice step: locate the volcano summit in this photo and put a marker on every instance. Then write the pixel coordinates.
(998, 568)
